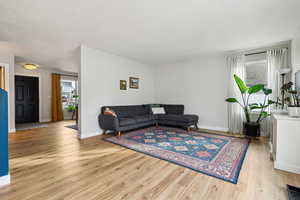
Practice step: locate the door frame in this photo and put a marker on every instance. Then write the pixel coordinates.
(40, 91)
(11, 118)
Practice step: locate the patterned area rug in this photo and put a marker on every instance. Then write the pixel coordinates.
(215, 155)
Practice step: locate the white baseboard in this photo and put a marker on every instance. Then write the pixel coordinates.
(4, 180)
(88, 135)
(49, 120)
(271, 147)
(68, 118)
(214, 128)
(287, 167)
(13, 130)
(45, 120)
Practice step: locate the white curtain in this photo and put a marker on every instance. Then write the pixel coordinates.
(236, 116)
(277, 59)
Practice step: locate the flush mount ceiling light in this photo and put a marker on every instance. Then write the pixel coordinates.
(30, 66)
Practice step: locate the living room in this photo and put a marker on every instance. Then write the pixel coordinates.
(163, 107)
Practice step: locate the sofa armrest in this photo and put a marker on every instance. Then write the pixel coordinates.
(108, 122)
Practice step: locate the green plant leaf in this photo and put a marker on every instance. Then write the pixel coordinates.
(267, 91)
(70, 108)
(271, 102)
(240, 84)
(254, 107)
(252, 104)
(264, 114)
(258, 107)
(232, 100)
(255, 88)
(292, 92)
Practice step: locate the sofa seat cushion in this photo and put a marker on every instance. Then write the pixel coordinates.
(125, 121)
(191, 118)
(179, 118)
(144, 118)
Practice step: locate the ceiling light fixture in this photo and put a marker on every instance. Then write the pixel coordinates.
(30, 66)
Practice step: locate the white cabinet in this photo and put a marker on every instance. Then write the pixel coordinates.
(286, 142)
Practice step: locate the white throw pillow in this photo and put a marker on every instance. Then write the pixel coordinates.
(158, 110)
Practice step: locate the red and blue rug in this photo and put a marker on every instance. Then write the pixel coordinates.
(215, 155)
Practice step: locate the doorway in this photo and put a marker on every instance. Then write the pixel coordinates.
(2, 78)
(69, 94)
(26, 99)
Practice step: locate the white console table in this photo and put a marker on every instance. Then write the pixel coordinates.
(286, 142)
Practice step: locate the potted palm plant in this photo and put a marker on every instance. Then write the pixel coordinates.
(252, 128)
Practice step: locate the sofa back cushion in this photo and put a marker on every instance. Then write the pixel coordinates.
(172, 109)
(128, 111)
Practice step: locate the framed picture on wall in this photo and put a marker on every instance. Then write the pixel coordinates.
(134, 82)
(123, 85)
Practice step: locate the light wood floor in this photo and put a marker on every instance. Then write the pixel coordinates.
(51, 163)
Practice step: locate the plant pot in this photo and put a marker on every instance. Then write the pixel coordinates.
(294, 111)
(252, 129)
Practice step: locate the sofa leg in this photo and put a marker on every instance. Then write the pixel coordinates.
(156, 124)
(196, 126)
(104, 132)
(188, 129)
(119, 134)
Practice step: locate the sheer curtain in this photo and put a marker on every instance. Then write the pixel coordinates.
(236, 116)
(276, 59)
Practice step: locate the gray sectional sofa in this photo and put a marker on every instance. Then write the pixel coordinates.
(138, 116)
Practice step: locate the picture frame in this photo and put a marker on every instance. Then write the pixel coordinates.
(123, 85)
(134, 82)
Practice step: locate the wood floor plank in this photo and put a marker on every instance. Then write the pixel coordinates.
(51, 163)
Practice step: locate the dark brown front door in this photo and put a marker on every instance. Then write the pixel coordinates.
(27, 99)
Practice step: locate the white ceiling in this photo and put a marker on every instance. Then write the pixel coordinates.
(151, 31)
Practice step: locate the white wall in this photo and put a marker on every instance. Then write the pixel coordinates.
(8, 60)
(100, 73)
(200, 84)
(296, 52)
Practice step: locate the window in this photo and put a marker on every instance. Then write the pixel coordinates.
(69, 92)
(256, 73)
